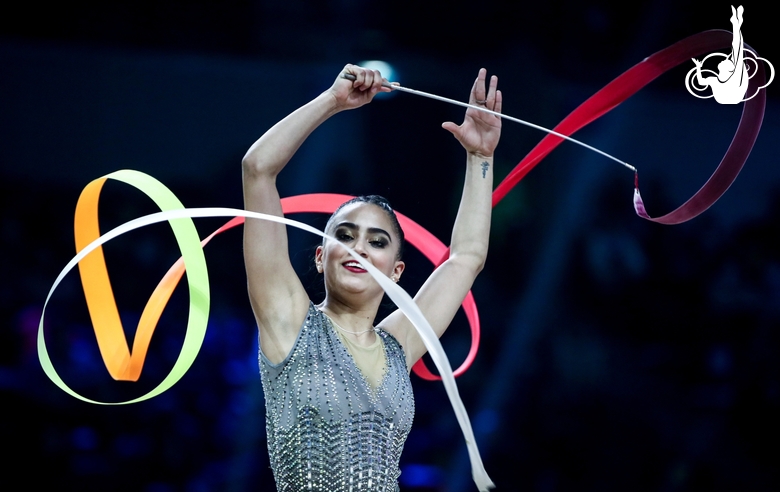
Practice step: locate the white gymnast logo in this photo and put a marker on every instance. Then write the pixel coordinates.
(730, 83)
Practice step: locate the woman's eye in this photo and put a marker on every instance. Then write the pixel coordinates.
(378, 243)
(344, 237)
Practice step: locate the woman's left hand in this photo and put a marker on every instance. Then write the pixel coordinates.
(479, 133)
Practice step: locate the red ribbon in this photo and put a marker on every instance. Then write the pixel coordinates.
(628, 84)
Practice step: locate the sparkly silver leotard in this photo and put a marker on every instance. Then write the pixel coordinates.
(328, 430)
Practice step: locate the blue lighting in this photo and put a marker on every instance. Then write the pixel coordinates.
(421, 476)
(386, 70)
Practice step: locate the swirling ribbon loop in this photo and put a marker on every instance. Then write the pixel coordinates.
(122, 364)
(630, 82)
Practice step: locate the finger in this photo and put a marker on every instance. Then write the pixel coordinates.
(386, 85)
(499, 103)
(359, 74)
(452, 128)
(368, 79)
(491, 95)
(478, 90)
(349, 70)
(376, 84)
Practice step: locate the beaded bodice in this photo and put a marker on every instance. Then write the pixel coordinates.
(328, 430)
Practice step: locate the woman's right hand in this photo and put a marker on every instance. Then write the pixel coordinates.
(350, 94)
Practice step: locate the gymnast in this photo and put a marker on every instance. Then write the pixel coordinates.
(339, 402)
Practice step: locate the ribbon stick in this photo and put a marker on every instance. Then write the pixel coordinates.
(397, 87)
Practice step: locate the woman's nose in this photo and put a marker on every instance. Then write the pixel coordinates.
(361, 249)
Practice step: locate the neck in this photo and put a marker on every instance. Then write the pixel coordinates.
(356, 319)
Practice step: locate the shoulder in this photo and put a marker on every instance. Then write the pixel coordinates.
(315, 318)
(390, 341)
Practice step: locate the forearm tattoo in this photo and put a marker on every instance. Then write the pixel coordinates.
(485, 167)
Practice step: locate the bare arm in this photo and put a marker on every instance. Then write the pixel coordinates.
(441, 295)
(278, 298)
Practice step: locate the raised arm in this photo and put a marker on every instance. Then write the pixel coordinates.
(444, 291)
(278, 299)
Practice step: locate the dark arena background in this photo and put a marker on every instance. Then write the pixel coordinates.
(616, 354)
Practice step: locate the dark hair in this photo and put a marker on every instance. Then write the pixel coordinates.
(382, 203)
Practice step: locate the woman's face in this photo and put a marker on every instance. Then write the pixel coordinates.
(368, 230)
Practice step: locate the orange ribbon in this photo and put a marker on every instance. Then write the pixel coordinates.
(122, 363)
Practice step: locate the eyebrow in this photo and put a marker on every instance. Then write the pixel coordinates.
(371, 230)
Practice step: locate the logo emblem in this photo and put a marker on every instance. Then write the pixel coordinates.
(729, 84)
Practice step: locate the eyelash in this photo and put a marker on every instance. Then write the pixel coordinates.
(377, 243)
